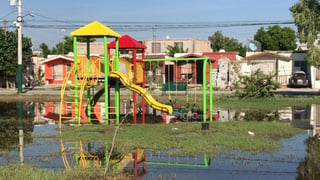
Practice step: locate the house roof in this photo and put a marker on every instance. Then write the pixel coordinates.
(260, 55)
(127, 42)
(52, 58)
(95, 29)
(218, 55)
(191, 55)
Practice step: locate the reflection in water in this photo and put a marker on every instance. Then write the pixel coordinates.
(15, 135)
(83, 155)
(306, 117)
(88, 155)
(310, 167)
(16, 126)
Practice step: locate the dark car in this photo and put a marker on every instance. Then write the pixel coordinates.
(298, 79)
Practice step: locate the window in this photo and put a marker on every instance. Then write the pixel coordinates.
(179, 45)
(156, 48)
(57, 71)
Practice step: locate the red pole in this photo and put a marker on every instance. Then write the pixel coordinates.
(143, 86)
(135, 163)
(134, 82)
(164, 118)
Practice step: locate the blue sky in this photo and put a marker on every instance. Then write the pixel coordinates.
(55, 19)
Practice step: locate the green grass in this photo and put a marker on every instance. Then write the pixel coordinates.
(186, 138)
(30, 172)
(277, 102)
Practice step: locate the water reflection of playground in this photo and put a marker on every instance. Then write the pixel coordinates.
(289, 161)
(86, 155)
(306, 117)
(292, 153)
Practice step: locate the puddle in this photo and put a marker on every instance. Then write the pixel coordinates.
(295, 155)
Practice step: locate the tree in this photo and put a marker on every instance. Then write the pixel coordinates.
(276, 38)
(175, 49)
(307, 19)
(257, 85)
(218, 42)
(8, 54)
(45, 49)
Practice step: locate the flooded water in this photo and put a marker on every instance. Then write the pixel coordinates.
(298, 157)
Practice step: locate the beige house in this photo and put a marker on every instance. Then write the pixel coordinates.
(284, 63)
(268, 62)
(159, 46)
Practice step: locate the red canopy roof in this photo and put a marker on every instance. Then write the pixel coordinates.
(127, 42)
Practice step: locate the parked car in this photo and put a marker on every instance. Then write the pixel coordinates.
(298, 79)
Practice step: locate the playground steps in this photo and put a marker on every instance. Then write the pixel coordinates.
(112, 115)
(68, 92)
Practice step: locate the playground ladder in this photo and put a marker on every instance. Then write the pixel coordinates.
(67, 96)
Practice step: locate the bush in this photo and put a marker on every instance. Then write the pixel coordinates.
(257, 85)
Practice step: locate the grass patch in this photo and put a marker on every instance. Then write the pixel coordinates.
(186, 138)
(31, 172)
(231, 102)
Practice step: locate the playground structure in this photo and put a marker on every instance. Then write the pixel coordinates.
(116, 71)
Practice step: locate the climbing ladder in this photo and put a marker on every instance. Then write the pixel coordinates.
(67, 96)
(71, 95)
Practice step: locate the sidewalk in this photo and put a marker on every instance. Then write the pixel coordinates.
(46, 89)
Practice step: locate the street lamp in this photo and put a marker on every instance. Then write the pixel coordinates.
(19, 27)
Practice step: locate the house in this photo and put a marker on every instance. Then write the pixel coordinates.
(282, 64)
(55, 68)
(159, 46)
(191, 71)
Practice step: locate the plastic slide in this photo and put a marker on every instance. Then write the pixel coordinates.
(142, 92)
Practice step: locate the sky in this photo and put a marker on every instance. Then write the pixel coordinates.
(148, 19)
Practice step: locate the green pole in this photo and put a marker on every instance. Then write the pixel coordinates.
(204, 97)
(88, 90)
(19, 78)
(75, 52)
(205, 160)
(117, 93)
(204, 94)
(210, 90)
(106, 74)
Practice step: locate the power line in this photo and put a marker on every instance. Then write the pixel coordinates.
(148, 26)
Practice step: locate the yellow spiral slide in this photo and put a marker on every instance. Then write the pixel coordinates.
(142, 92)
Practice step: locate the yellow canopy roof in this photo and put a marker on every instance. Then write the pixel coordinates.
(95, 29)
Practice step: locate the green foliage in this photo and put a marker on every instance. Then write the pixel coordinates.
(218, 41)
(175, 49)
(257, 85)
(276, 38)
(9, 53)
(307, 19)
(309, 168)
(45, 50)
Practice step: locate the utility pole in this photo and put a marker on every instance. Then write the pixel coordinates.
(5, 28)
(19, 26)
